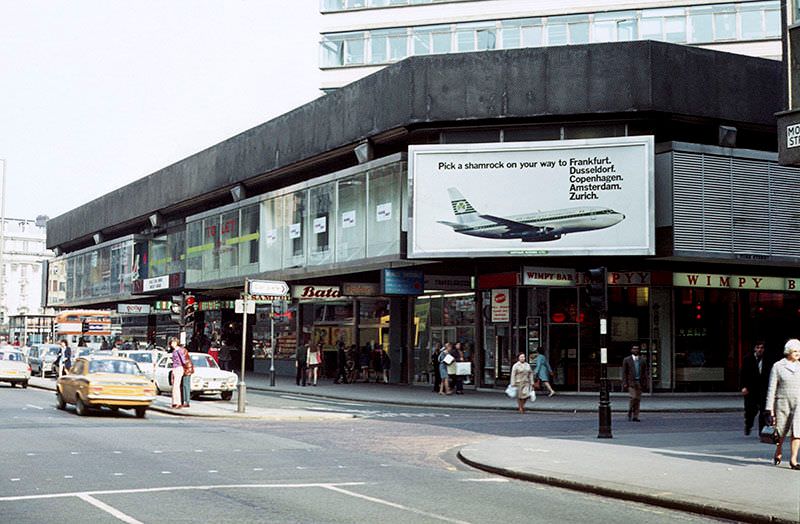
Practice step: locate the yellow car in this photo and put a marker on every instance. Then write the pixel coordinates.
(105, 381)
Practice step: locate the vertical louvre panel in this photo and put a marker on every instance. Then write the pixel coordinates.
(783, 211)
(717, 205)
(751, 217)
(687, 173)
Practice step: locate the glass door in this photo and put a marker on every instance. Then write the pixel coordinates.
(563, 340)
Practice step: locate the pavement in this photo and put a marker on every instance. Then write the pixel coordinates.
(718, 473)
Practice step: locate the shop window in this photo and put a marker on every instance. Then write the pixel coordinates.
(350, 222)
(384, 211)
(703, 338)
(274, 232)
(248, 239)
(388, 46)
(724, 23)
(701, 24)
(295, 212)
(211, 232)
(228, 250)
(176, 251)
(157, 257)
(319, 227)
(194, 251)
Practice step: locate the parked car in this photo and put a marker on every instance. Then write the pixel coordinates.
(13, 367)
(146, 360)
(43, 359)
(113, 382)
(208, 378)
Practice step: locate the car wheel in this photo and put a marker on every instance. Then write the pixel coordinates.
(80, 407)
(115, 409)
(226, 395)
(25, 384)
(60, 404)
(140, 412)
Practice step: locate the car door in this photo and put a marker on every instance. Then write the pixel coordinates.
(68, 382)
(33, 359)
(162, 373)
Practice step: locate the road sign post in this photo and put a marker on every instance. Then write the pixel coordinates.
(240, 401)
(274, 290)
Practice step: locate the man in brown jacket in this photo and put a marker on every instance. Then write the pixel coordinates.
(635, 374)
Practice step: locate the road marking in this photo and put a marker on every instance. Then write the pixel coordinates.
(157, 451)
(166, 472)
(116, 452)
(119, 474)
(34, 407)
(74, 452)
(14, 480)
(198, 451)
(394, 505)
(175, 488)
(108, 509)
(317, 400)
(258, 469)
(31, 454)
(213, 471)
(67, 476)
(484, 480)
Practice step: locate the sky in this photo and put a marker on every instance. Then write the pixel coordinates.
(95, 94)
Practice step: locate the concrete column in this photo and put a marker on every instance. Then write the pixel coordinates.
(399, 339)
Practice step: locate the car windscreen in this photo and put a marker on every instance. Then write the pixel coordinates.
(13, 356)
(124, 367)
(203, 361)
(145, 358)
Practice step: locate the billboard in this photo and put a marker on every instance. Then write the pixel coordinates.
(567, 197)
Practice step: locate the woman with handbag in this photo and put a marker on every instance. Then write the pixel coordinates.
(177, 372)
(522, 380)
(186, 380)
(314, 360)
(445, 358)
(783, 401)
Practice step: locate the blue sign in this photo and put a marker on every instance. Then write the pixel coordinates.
(402, 282)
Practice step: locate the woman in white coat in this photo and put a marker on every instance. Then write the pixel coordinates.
(783, 401)
(522, 379)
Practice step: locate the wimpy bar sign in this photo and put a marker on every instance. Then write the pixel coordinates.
(707, 280)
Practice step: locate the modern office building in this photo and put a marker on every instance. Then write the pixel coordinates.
(465, 197)
(22, 270)
(361, 36)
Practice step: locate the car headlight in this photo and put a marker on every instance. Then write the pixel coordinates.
(196, 380)
(232, 381)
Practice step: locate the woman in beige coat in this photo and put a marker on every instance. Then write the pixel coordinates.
(783, 400)
(522, 379)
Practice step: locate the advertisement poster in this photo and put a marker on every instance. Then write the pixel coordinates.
(501, 305)
(567, 197)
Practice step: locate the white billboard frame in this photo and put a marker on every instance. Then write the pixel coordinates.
(614, 204)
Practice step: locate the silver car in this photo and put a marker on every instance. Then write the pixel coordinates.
(43, 359)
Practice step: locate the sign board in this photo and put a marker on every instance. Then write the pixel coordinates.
(402, 281)
(550, 198)
(448, 283)
(548, 276)
(313, 292)
(239, 307)
(534, 328)
(708, 280)
(156, 283)
(361, 289)
(501, 305)
(267, 287)
(133, 309)
(793, 135)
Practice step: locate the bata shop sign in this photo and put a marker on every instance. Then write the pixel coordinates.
(501, 305)
(708, 280)
(309, 293)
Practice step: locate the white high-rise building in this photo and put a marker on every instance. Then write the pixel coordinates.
(23, 254)
(361, 36)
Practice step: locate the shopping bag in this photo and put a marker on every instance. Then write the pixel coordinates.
(511, 391)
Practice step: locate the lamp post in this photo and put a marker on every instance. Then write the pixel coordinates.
(3, 240)
(240, 404)
(272, 343)
(598, 296)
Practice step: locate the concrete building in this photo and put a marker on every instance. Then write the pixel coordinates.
(24, 252)
(361, 36)
(669, 148)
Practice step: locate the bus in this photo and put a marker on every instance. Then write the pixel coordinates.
(91, 325)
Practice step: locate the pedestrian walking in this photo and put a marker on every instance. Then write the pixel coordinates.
(542, 372)
(522, 379)
(177, 372)
(458, 380)
(783, 401)
(437, 378)
(341, 363)
(314, 361)
(445, 358)
(65, 357)
(364, 359)
(634, 379)
(186, 379)
(755, 381)
(225, 356)
(301, 363)
(386, 365)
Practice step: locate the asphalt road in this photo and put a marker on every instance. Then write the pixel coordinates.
(390, 464)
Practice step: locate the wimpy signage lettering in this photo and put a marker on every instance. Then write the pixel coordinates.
(628, 278)
(547, 276)
(708, 280)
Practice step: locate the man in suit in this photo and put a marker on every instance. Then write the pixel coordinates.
(635, 375)
(755, 379)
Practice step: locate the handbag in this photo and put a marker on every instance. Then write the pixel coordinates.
(768, 435)
(448, 359)
(511, 391)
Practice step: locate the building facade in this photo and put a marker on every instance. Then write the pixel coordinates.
(695, 225)
(361, 36)
(22, 268)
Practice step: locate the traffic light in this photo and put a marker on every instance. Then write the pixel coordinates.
(189, 308)
(176, 309)
(597, 288)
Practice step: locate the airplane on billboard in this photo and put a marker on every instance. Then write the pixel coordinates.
(533, 227)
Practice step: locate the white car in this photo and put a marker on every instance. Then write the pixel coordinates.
(207, 379)
(14, 368)
(147, 360)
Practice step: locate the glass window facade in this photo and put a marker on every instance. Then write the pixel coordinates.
(692, 24)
